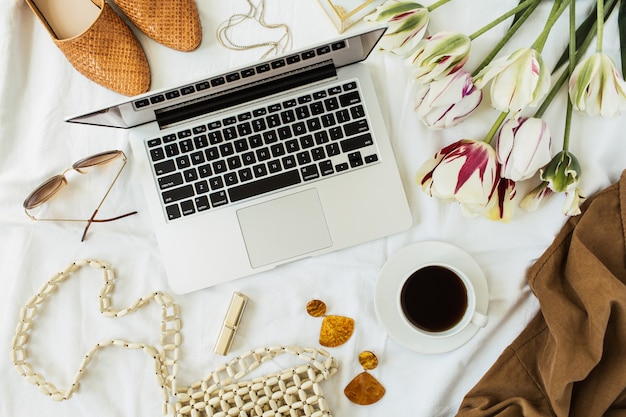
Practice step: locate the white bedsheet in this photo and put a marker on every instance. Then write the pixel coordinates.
(39, 88)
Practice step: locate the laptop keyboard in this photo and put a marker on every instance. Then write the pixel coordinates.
(263, 150)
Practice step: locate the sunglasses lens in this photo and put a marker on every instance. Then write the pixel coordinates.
(44, 192)
(98, 159)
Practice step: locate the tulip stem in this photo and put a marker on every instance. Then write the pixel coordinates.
(492, 132)
(565, 74)
(570, 70)
(600, 23)
(557, 9)
(531, 8)
(437, 4)
(502, 18)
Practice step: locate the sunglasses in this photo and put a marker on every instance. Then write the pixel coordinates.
(52, 186)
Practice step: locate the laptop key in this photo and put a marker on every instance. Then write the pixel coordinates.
(218, 199)
(317, 108)
(183, 162)
(202, 187)
(212, 153)
(201, 141)
(357, 112)
(190, 174)
(274, 166)
(353, 128)
(154, 142)
(173, 212)
(355, 159)
(245, 174)
(171, 149)
(202, 203)
(230, 178)
(326, 167)
(164, 167)
(197, 158)
(343, 116)
(177, 194)
(332, 149)
(289, 162)
(264, 185)
(244, 129)
(216, 183)
(349, 99)
(259, 170)
(255, 141)
(186, 145)
(331, 104)
(205, 171)
(309, 172)
(259, 125)
(356, 142)
(187, 207)
(170, 181)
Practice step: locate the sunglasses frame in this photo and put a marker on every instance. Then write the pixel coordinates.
(61, 181)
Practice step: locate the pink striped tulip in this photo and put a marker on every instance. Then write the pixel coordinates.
(447, 102)
(466, 171)
(523, 147)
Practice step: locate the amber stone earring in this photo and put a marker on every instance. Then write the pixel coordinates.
(336, 330)
(364, 389)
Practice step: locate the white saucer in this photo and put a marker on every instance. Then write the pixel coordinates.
(404, 263)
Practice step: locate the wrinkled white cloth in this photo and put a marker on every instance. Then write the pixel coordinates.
(38, 88)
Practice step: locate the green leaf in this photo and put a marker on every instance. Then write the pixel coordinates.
(585, 28)
(621, 24)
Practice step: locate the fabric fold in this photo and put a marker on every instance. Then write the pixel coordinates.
(571, 358)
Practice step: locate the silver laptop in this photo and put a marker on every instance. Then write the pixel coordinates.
(265, 164)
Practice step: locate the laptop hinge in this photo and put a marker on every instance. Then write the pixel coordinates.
(244, 94)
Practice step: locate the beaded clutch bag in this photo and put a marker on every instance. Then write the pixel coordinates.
(291, 392)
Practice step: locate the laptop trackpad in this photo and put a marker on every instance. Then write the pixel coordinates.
(284, 228)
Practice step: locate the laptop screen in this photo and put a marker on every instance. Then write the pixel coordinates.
(204, 96)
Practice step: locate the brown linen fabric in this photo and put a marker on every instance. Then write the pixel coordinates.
(571, 358)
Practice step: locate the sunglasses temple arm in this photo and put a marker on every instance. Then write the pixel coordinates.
(112, 218)
(92, 220)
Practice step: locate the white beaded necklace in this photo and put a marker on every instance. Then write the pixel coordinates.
(165, 361)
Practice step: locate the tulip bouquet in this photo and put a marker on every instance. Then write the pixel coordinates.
(481, 175)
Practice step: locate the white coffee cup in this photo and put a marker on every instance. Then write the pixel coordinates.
(438, 301)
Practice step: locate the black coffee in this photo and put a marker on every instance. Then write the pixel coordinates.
(434, 298)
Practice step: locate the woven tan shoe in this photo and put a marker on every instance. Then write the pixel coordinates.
(97, 42)
(173, 23)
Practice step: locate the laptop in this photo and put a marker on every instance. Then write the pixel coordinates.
(265, 164)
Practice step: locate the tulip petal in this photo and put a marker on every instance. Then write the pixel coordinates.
(595, 87)
(523, 147)
(534, 199)
(518, 80)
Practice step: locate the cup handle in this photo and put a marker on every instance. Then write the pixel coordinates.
(479, 319)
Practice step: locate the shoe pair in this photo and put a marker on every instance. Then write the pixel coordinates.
(101, 46)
